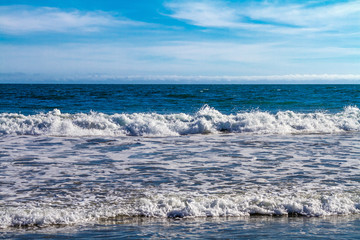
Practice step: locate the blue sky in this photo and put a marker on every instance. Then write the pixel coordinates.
(179, 41)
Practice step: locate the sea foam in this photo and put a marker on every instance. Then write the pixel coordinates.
(206, 120)
(175, 206)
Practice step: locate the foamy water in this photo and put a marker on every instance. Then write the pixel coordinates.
(51, 180)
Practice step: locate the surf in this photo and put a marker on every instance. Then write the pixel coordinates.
(205, 120)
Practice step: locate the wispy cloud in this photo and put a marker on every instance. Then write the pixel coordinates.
(26, 19)
(269, 16)
(328, 17)
(206, 14)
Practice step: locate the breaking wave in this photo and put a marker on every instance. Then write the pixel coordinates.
(206, 120)
(167, 206)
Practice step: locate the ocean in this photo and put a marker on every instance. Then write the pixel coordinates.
(179, 161)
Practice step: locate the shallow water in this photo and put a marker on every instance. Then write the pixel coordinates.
(70, 180)
(200, 228)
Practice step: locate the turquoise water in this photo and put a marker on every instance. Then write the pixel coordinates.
(180, 161)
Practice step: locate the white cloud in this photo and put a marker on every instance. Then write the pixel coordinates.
(270, 16)
(25, 19)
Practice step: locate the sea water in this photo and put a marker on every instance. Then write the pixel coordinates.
(180, 161)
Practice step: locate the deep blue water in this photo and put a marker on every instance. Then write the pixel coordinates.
(164, 99)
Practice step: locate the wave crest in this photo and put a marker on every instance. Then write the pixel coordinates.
(206, 120)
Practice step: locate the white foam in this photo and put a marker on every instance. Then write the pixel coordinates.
(251, 203)
(27, 216)
(176, 206)
(206, 120)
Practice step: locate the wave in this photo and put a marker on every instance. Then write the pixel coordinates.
(175, 206)
(206, 120)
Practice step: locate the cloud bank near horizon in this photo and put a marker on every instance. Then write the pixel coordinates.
(176, 79)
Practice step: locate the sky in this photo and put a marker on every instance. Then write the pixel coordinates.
(180, 41)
